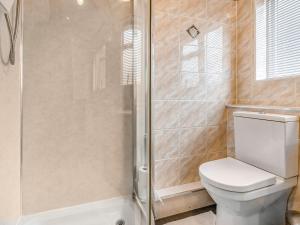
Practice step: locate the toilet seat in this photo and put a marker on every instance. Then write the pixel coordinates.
(280, 185)
(234, 175)
(222, 176)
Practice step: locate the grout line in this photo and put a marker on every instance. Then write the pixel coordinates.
(186, 128)
(193, 100)
(236, 53)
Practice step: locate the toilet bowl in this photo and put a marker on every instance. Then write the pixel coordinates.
(259, 201)
(253, 188)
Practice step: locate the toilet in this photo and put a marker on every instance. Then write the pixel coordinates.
(253, 188)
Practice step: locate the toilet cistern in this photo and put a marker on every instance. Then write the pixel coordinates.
(253, 188)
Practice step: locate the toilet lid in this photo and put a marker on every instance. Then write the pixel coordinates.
(233, 175)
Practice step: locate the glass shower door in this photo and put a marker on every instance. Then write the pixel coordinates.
(77, 136)
(142, 106)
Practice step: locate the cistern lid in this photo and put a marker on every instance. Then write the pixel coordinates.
(266, 116)
(233, 175)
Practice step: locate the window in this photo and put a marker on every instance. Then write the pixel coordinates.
(277, 38)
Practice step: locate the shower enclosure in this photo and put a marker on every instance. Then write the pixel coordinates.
(81, 121)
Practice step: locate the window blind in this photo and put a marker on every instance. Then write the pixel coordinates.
(277, 38)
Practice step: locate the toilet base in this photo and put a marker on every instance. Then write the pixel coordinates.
(269, 213)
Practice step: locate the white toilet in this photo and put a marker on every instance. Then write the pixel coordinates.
(253, 189)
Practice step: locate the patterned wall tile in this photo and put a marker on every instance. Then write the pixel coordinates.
(193, 79)
(189, 169)
(244, 85)
(216, 138)
(192, 114)
(192, 141)
(223, 11)
(166, 86)
(216, 155)
(166, 28)
(220, 88)
(244, 10)
(193, 8)
(169, 167)
(216, 113)
(166, 144)
(167, 6)
(192, 59)
(192, 86)
(166, 58)
(273, 89)
(166, 114)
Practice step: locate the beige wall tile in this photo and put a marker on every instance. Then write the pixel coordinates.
(297, 86)
(165, 28)
(216, 138)
(168, 6)
(166, 87)
(216, 155)
(201, 83)
(192, 142)
(193, 8)
(166, 144)
(189, 168)
(216, 113)
(230, 137)
(221, 11)
(165, 114)
(274, 89)
(192, 59)
(219, 35)
(244, 85)
(166, 173)
(192, 114)
(166, 59)
(219, 88)
(192, 86)
(244, 10)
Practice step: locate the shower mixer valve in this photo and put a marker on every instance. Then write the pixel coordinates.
(193, 31)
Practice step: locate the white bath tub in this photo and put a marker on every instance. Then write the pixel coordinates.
(106, 212)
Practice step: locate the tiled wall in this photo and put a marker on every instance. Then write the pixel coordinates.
(280, 92)
(193, 80)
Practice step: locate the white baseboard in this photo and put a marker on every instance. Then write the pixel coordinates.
(180, 199)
